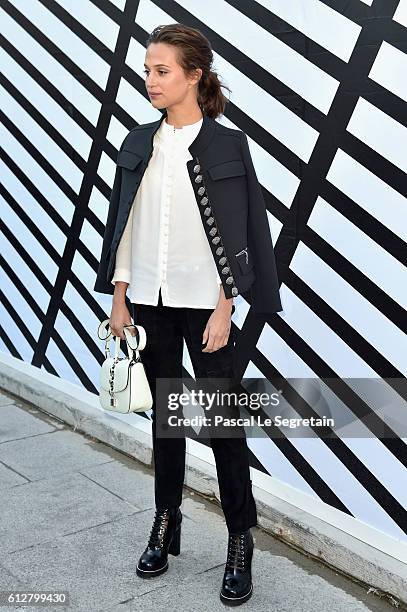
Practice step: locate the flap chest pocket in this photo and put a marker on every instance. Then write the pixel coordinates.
(128, 159)
(227, 170)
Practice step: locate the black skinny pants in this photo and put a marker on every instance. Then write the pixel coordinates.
(166, 327)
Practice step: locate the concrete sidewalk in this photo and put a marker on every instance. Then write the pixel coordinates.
(76, 515)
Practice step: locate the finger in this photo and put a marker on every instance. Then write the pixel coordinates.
(205, 335)
(208, 348)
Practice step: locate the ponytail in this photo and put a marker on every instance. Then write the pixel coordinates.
(211, 99)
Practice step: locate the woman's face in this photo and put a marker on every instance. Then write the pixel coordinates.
(165, 77)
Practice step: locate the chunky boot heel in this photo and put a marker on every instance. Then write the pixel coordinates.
(165, 537)
(175, 546)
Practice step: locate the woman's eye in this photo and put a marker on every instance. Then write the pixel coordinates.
(160, 71)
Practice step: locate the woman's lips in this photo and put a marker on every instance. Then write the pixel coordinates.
(153, 95)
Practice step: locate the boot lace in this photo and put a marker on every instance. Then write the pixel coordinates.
(159, 527)
(236, 551)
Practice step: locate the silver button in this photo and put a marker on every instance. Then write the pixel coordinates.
(225, 270)
(207, 211)
(219, 250)
(198, 179)
(204, 201)
(229, 280)
(222, 260)
(235, 291)
(201, 191)
(213, 231)
(197, 168)
(215, 240)
(210, 220)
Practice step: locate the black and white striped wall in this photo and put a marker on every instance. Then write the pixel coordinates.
(319, 87)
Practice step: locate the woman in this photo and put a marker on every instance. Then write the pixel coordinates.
(187, 231)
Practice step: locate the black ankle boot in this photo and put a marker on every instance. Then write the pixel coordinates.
(165, 537)
(237, 580)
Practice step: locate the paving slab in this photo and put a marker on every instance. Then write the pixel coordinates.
(51, 454)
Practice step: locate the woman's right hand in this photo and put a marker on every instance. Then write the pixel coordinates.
(119, 317)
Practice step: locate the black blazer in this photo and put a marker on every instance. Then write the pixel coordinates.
(229, 199)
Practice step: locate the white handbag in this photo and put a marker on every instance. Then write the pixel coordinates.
(123, 382)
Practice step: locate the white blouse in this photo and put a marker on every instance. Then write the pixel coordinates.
(164, 243)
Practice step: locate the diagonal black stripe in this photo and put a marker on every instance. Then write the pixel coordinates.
(373, 161)
(356, 279)
(369, 225)
(293, 38)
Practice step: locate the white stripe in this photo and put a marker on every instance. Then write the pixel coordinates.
(28, 166)
(32, 285)
(319, 22)
(290, 67)
(30, 243)
(34, 210)
(93, 242)
(133, 102)
(390, 69)
(380, 132)
(324, 341)
(106, 170)
(401, 13)
(94, 20)
(364, 317)
(275, 177)
(42, 142)
(380, 200)
(119, 3)
(51, 69)
(274, 117)
(276, 463)
(66, 40)
(358, 248)
(54, 114)
(59, 362)
(116, 132)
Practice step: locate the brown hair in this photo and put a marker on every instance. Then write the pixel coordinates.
(194, 51)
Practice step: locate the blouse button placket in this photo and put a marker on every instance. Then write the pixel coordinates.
(167, 202)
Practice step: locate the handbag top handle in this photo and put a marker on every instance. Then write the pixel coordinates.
(134, 343)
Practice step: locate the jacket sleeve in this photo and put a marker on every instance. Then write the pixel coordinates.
(265, 293)
(101, 284)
